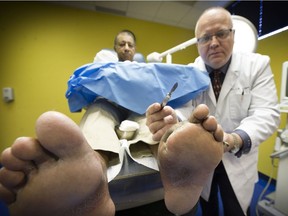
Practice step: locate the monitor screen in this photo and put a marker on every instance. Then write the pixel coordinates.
(284, 83)
(284, 90)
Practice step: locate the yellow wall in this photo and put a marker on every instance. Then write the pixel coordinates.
(41, 44)
(277, 48)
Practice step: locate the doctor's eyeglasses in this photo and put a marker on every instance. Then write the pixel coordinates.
(220, 35)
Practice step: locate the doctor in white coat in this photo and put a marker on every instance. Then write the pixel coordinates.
(247, 103)
(246, 109)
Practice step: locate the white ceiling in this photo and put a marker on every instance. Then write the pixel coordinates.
(182, 14)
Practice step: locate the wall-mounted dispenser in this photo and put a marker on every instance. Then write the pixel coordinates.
(8, 94)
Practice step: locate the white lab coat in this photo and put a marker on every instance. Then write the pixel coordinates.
(248, 101)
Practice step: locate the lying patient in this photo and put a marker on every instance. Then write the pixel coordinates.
(59, 174)
(112, 92)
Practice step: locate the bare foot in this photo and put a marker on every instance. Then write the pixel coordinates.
(188, 153)
(56, 174)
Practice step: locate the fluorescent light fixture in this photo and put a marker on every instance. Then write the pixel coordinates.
(273, 33)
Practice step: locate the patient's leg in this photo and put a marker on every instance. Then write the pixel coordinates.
(57, 174)
(98, 125)
(187, 155)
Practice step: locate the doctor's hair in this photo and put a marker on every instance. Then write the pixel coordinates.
(127, 32)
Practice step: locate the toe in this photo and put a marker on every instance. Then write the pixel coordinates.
(219, 133)
(11, 179)
(210, 124)
(29, 149)
(200, 113)
(60, 135)
(6, 195)
(13, 163)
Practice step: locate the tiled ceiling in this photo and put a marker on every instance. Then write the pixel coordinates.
(182, 14)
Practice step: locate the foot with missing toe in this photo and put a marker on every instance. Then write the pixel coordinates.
(188, 153)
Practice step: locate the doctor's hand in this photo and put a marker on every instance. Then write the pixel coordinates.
(160, 120)
(234, 142)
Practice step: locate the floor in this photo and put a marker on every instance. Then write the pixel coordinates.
(158, 208)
